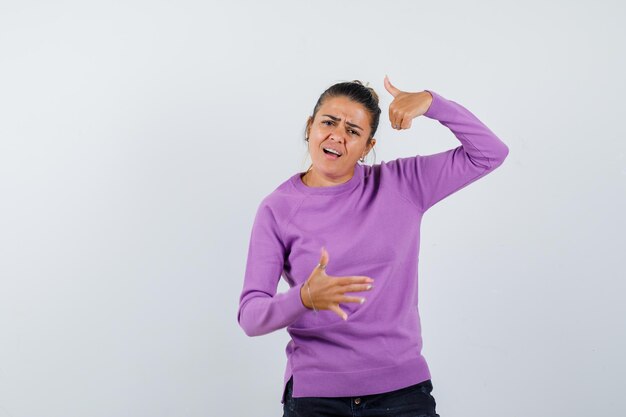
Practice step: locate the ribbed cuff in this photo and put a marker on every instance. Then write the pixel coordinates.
(293, 306)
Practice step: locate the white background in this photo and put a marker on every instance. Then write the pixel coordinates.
(137, 139)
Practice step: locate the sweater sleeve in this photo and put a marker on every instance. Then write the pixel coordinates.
(261, 310)
(426, 180)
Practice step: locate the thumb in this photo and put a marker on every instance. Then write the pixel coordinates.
(324, 258)
(389, 87)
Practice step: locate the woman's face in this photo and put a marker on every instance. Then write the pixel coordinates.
(343, 125)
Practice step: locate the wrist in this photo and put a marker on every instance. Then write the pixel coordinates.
(303, 295)
(430, 101)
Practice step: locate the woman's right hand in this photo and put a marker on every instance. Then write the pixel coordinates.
(326, 291)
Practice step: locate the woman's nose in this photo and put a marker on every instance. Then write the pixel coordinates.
(338, 133)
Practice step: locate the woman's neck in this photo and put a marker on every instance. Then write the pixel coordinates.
(311, 180)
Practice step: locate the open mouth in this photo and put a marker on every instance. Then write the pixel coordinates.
(331, 153)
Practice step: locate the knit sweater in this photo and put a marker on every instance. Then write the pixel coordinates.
(370, 226)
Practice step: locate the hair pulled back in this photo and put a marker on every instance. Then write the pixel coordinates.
(359, 93)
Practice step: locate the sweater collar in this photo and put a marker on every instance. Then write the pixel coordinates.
(356, 178)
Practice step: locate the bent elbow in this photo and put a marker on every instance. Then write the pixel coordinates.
(496, 157)
(250, 329)
(501, 155)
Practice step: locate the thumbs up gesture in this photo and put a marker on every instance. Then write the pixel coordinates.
(406, 106)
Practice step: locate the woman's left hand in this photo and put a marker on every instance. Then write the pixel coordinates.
(406, 106)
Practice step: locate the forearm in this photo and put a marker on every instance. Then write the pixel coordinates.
(480, 144)
(260, 314)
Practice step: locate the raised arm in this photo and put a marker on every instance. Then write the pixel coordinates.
(427, 179)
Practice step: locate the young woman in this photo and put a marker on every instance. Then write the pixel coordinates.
(342, 233)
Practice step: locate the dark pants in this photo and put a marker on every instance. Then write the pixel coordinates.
(413, 401)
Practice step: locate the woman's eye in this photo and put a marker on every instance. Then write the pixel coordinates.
(330, 122)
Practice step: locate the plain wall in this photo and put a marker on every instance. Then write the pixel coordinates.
(137, 139)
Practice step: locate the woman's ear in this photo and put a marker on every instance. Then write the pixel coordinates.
(308, 125)
(371, 145)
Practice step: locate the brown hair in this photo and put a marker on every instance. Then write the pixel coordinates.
(357, 92)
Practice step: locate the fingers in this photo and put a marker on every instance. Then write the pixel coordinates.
(359, 300)
(324, 258)
(396, 122)
(339, 311)
(397, 117)
(391, 88)
(356, 287)
(330, 291)
(346, 299)
(404, 107)
(354, 279)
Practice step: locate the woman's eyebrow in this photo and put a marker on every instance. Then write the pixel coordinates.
(338, 119)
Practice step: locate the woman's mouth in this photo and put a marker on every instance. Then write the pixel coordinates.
(331, 153)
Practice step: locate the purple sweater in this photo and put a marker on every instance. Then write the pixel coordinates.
(370, 226)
